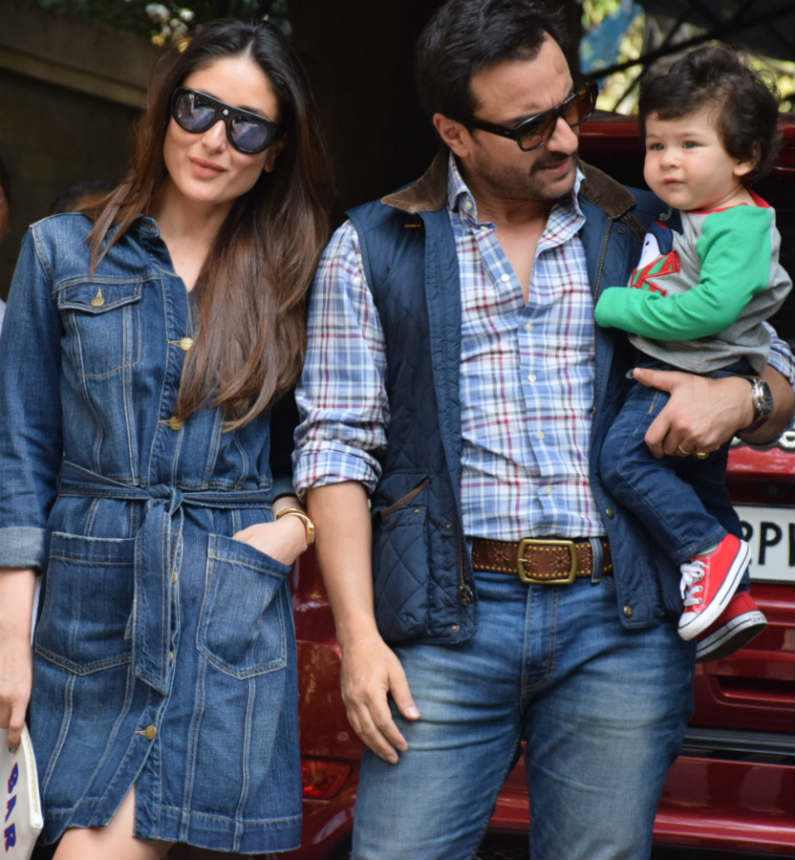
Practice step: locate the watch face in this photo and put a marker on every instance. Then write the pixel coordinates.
(763, 398)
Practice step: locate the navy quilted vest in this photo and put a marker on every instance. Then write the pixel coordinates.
(423, 579)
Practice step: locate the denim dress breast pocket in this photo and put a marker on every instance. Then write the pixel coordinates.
(102, 324)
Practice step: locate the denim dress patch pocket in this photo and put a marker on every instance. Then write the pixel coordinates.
(243, 621)
(102, 322)
(88, 599)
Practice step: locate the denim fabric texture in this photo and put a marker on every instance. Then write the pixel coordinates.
(164, 650)
(683, 502)
(603, 711)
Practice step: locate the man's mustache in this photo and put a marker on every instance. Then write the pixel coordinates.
(551, 159)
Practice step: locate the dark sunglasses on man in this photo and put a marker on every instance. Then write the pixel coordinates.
(248, 132)
(536, 130)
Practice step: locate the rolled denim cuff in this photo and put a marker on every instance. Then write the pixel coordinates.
(23, 546)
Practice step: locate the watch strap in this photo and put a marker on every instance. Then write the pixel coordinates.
(762, 400)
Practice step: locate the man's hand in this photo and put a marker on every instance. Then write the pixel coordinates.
(701, 414)
(370, 673)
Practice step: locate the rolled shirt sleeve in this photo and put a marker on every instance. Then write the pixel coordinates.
(780, 357)
(341, 396)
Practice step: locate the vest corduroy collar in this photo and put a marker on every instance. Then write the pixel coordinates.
(429, 192)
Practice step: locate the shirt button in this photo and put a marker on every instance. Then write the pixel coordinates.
(505, 278)
(609, 513)
(528, 326)
(174, 576)
(186, 343)
(170, 656)
(531, 377)
(628, 611)
(540, 434)
(467, 205)
(174, 423)
(548, 490)
(150, 733)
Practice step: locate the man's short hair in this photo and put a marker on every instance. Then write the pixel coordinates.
(715, 75)
(465, 36)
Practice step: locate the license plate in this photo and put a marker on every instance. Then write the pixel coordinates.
(771, 534)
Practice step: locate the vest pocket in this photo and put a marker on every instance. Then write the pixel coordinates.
(102, 322)
(401, 571)
(88, 598)
(243, 621)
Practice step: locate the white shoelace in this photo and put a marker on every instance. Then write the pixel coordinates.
(689, 585)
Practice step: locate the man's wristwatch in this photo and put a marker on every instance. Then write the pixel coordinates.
(308, 524)
(762, 398)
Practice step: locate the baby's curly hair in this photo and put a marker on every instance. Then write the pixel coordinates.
(714, 74)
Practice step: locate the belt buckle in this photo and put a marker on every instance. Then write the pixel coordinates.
(534, 580)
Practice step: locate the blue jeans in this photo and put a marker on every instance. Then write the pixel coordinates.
(603, 711)
(682, 501)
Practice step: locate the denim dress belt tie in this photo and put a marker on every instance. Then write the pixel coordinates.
(154, 549)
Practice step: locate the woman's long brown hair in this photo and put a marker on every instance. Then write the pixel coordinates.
(252, 288)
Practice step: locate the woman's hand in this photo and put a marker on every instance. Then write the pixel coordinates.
(16, 655)
(283, 539)
(16, 682)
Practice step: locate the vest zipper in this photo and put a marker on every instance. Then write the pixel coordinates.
(465, 593)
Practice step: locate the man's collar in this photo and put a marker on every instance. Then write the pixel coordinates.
(433, 191)
(459, 197)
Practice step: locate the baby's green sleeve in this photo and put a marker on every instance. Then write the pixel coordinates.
(734, 250)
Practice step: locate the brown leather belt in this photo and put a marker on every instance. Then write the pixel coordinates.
(540, 561)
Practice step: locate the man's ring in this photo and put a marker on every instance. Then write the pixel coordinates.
(681, 450)
(702, 455)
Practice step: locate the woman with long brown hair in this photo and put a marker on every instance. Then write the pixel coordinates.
(147, 341)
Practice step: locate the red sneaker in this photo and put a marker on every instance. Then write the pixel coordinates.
(708, 583)
(736, 626)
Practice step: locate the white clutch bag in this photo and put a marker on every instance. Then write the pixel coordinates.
(20, 805)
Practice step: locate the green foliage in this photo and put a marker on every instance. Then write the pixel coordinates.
(595, 11)
(167, 21)
(619, 92)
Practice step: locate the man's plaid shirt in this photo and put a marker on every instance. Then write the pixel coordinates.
(526, 377)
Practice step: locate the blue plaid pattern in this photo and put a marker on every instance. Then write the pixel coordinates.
(526, 377)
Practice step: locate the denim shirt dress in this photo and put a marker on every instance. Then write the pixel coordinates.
(164, 649)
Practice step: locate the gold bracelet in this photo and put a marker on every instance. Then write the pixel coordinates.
(308, 524)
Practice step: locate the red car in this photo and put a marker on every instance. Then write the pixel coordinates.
(732, 790)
